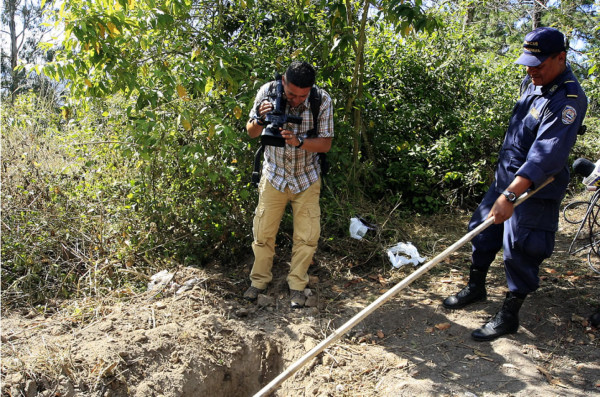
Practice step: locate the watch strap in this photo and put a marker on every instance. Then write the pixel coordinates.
(510, 196)
(260, 121)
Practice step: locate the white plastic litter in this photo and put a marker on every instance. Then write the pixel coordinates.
(398, 260)
(161, 278)
(357, 229)
(188, 285)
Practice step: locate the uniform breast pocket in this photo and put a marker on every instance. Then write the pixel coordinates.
(529, 132)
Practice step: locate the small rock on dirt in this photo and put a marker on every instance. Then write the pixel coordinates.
(265, 301)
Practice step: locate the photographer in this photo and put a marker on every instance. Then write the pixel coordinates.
(290, 173)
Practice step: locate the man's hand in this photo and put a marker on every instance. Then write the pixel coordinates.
(254, 130)
(315, 145)
(264, 108)
(290, 137)
(501, 210)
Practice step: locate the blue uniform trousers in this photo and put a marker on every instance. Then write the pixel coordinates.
(527, 238)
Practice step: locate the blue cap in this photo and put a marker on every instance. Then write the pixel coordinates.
(540, 44)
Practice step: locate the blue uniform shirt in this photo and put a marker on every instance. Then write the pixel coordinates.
(542, 130)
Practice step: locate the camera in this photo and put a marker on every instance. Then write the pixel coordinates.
(271, 135)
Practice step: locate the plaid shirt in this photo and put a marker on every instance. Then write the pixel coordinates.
(289, 166)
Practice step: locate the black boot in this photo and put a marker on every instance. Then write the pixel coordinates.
(473, 292)
(506, 321)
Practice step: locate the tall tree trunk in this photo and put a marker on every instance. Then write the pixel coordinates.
(11, 6)
(356, 87)
(469, 15)
(538, 10)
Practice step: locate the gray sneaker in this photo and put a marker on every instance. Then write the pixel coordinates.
(252, 293)
(297, 299)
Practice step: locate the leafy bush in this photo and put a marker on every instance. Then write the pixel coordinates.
(149, 165)
(85, 202)
(59, 189)
(435, 118)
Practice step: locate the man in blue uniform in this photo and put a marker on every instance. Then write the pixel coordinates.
(542, 130)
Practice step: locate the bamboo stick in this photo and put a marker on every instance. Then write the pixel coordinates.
(337, 334)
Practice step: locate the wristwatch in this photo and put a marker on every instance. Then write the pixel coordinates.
(301, 140)
(510, 196)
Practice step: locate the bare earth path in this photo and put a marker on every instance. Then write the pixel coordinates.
(208, 342)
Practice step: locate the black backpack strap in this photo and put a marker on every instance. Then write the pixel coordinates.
(258, 156)
(257, 165)
(315, 100)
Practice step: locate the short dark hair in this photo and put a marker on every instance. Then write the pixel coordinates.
(301, 74)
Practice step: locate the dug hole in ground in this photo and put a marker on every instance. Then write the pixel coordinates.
(207, 341)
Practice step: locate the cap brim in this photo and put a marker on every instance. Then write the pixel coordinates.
(531, 60)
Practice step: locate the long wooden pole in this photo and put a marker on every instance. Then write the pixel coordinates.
(337, 334)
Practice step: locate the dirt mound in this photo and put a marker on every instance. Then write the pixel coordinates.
(206, 341)
(188, 344)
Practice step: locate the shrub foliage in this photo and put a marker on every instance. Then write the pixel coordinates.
(146, 163)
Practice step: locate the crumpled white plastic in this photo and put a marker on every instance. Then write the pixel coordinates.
(357, 229)
(398, 260)
(161, 278)
(188, 285)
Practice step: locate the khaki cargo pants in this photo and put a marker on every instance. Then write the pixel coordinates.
(307, 229)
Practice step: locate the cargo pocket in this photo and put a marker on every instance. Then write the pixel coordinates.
(537, 243)
(307, 228)
(538, 214)
(315, 222)
(258, 224)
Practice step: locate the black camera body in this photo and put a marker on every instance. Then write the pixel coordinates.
(271, 135)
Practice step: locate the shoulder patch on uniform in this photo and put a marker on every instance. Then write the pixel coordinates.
(569, 114)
